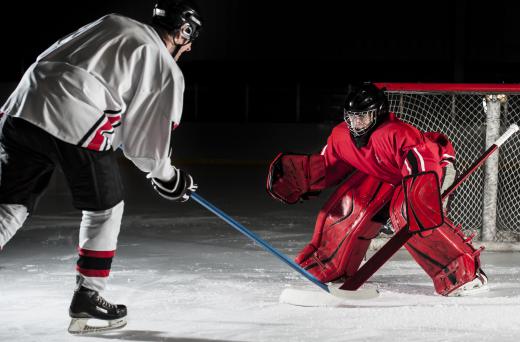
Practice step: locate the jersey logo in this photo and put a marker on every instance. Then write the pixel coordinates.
(99, 136)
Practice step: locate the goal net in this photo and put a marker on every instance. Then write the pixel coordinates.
(473, 116)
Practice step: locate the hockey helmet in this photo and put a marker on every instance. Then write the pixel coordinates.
(365, 106)
(173, 15)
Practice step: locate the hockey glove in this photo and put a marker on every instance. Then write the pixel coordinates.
(179, 188)
(296, 177)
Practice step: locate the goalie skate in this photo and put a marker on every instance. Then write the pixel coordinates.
(476, 286)
(88, 307)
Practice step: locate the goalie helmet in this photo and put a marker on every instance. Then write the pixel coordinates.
(173, 15)
(366, 106)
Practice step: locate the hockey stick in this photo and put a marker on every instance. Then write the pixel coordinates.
(403, 235)
(359, 294)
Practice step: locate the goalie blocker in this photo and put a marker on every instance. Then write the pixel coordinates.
(355, 212)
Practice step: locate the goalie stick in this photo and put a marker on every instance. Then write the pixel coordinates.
(403, 235)
(366, 293)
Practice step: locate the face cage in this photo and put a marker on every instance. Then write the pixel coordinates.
(191, 31)
(191, 27)
(357, 132)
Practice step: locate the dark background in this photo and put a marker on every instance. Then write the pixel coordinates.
(269, 76)
(290, 61)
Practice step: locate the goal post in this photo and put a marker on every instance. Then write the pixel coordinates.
(473, 116)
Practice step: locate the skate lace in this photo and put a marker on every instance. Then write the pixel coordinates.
(103, 303)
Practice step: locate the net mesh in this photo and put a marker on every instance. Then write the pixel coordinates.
(462, 117)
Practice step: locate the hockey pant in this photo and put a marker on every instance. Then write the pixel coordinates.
(353, 216)
(28, 158)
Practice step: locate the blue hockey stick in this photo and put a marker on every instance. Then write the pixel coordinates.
(359, 294)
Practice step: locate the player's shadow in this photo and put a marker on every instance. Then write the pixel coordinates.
(146, 335)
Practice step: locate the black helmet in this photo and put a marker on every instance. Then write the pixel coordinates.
(171, 15)
(366, 105)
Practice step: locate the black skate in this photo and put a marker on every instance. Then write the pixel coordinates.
(88, 304)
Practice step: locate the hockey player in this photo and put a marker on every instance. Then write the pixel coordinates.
(112, 84)
(371, 152)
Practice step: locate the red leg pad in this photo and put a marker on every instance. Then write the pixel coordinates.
(456, 274)
(344, 228)
(447, 256)
(445, 253)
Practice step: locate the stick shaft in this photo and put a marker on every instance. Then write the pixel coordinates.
(469, 171)
(266, 246)
(510, 131)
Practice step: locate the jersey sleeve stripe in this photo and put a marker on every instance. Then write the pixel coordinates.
(407, 167)
(412, 159)
(323, 150)
(421, 159)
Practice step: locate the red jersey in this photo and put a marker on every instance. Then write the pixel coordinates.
(395, 149)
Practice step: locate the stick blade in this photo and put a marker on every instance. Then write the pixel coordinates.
(316, 298)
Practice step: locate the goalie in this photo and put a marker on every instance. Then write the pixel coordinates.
(370, 154)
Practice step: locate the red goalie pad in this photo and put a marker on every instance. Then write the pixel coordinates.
(293, 177)
(445, 253)
(423, 201)
(344, 228)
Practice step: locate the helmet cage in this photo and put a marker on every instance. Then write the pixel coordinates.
(367, 118)
(188, 23)
(191, 28)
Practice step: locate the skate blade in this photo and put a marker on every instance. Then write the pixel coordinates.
(470, 292)
(80, 326)
(317, 298)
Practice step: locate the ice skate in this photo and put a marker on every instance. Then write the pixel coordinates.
(87, 305)
(386, 231)
(476, 286)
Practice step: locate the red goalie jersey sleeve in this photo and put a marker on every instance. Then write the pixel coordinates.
(336, 168)
(395, 150)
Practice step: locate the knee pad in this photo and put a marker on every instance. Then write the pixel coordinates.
(344, 228)
(12, 218)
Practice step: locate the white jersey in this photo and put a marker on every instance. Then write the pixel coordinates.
(110, 84)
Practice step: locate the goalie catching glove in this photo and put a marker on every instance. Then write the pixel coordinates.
(179, 188)
(295, 177)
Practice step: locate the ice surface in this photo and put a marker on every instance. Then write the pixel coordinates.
(195, 279)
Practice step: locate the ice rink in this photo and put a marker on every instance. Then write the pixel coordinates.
(185, 275)
(195, 279)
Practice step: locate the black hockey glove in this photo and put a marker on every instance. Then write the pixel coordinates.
(179, 188)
